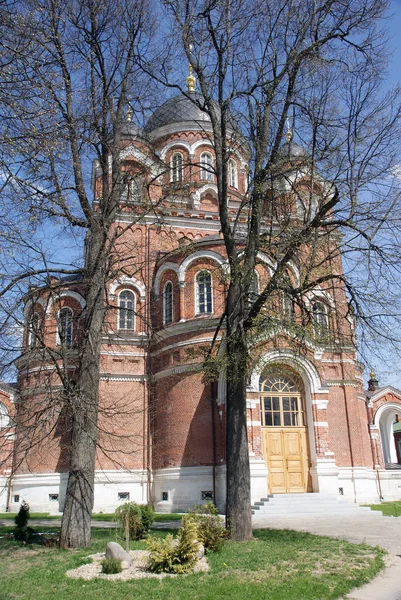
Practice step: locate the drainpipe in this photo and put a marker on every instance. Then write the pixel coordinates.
(213, 396)
(372, 386)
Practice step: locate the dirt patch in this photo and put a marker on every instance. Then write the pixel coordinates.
(137, 570)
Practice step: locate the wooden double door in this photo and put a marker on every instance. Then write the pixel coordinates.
(286, 456)
(284, 434)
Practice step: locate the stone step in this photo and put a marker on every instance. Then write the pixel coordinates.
(308, 504)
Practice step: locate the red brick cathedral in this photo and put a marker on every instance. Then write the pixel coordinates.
(311, 426)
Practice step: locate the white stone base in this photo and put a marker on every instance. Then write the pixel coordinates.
(3, 493)
(366, 486)
(259, 473)
(183, 487)
(36, 490)
(324, 474)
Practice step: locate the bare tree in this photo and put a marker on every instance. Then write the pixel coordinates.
(68, 76)
(311, 69)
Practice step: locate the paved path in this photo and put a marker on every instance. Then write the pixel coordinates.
(371, 529)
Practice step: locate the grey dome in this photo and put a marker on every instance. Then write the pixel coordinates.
(291, 150)
(177, 109)
(181, 109)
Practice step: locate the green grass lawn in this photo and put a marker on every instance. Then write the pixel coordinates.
(95, 516)
(391, 509)
(275, 565)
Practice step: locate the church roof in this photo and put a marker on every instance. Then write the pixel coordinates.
(184, 109)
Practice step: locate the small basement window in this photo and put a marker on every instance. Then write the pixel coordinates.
(16, 498)
(207, 495)
(123, 496)
(164, 496)
(53, 497)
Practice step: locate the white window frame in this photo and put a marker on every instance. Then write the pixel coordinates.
(125, 309)
(4, 416)
(60, 341)
(165, 321)
(176, 170)
(33, 332)
(197, 294)
(206, 164)
(232, 170)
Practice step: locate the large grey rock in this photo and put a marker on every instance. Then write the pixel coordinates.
(114, 550)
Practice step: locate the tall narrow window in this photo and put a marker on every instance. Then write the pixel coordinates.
(34, 330)
(288, 307)
(204, 292)
(65, 326)
(206, 162)
(253, 293)
(4, 416)
(168, 303)
(232, 174)
(320, 320)
(135, 189)
(126, 306)
(176, 166)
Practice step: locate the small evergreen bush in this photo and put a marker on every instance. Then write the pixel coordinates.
(111, 566)
(135, 519)
(22, 531)
(174, 555)
(212, 531)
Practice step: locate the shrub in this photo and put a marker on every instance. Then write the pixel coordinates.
(212, 531)
(147, 518)
(135, 519)
(110, 566)
(22, 531)
(174, 555)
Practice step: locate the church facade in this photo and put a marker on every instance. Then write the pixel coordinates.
(311, 426)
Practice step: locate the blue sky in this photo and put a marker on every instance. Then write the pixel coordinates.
(394, 27)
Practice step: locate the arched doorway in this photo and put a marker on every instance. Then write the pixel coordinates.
(388, 418)
(284, 430)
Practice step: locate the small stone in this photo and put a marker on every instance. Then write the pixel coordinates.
(201, 551)
(114, 550)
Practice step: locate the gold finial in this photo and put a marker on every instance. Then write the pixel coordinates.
(191, 80)
(129, 115)
(372, 374)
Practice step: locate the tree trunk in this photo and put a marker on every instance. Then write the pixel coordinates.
(76, 521)
(238, 504)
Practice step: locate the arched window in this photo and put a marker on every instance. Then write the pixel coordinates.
(34, 330)
(320, 320)
(126, 307)
(232, 173)
(206, 162)
(176, 166)
(204, 302)
(65, 326)
(4, 416)
(282, 400)
(168, 303)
